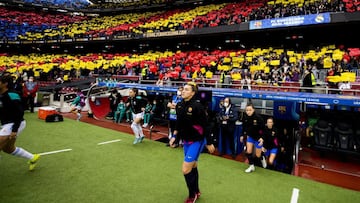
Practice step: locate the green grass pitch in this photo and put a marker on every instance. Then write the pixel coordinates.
(147, 172)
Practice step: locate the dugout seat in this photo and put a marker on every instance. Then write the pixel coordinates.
(323, 133)
(344, 136)
(357, 140)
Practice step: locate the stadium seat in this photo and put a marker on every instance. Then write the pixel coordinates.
(344, 135)
(236, 84)
(356, 88)
(322, 133)
(348, 92)
(357, 140)
(210, 82)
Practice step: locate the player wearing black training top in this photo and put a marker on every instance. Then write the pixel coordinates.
(12, 121)
(271, 142)
(137, 104)
(253, 127)
(191, 127)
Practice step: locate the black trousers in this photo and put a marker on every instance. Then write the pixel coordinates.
(227, 136)
(29, 103)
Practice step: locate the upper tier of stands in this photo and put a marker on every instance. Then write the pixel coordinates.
(74, 4)
(94, 4)
(113, 4)
(32, 26)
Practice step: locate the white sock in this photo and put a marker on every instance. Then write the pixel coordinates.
(140, 130)
(134, 127)
(20, 152)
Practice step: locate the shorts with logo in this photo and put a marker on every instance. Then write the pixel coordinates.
(6, 129)
(272, 151)
(192, 150)
(255, 142)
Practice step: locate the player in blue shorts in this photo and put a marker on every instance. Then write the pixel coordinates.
(12, 121)
(271, 144)
(191, 128)
(253, 127)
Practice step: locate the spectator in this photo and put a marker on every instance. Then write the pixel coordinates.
(160, 82)
(149, 112)
(172, 112)
(30, 73)
(228, 117)
(344, 85)
(308, 82)
(114, 99)
(246, 83)
(128, 114)
(120, 112)
(30, 89)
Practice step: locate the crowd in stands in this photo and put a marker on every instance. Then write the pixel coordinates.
(259, 66)
(26, 25)
(16, 24)
(113, 4)
(75, 4)
(101, 4)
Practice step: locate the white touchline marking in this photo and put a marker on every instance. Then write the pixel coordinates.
(108, 142)
(295, 195)
(54, 152)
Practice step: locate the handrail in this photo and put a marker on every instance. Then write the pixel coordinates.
(293, 87)
(297, 137)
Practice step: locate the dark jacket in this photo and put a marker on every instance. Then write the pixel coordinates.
(309, 80)
(271, 139)
(191, 122)
(114, 100)
(233, 114)
(253, 126)
(136, 103)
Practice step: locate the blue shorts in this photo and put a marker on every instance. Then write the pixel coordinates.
(272, 151)
(192, 150)
(255, 142)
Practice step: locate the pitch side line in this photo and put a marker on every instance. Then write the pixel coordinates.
(295, 195)
(54, 152)
(108, 142)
